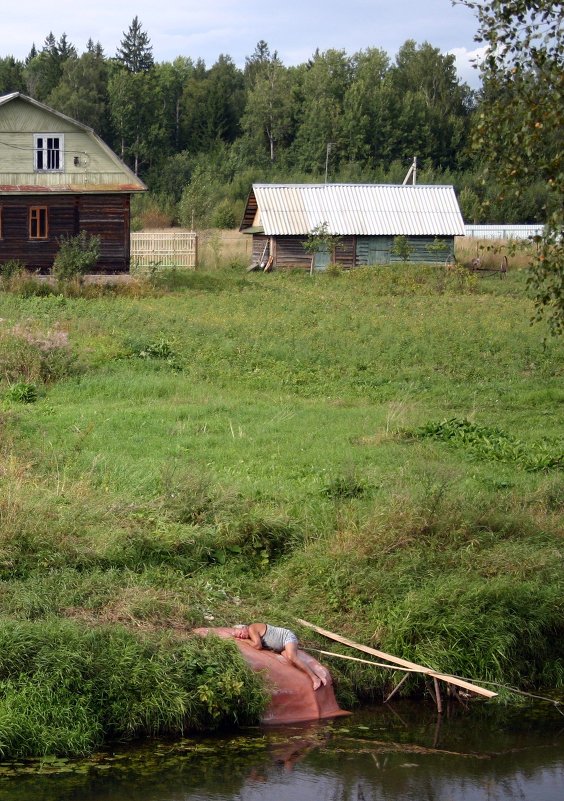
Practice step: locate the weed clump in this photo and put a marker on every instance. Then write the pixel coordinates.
(490, 442)
(22, 392)
(31, 356)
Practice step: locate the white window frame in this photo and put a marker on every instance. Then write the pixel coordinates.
(48, 152)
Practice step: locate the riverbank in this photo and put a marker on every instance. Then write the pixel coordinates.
(220, 447)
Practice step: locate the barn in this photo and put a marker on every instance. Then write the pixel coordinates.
(58, 178)
(366, 218)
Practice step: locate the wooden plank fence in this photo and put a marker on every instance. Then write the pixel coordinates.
(164, 249)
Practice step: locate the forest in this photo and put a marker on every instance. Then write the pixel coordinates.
(199, 136)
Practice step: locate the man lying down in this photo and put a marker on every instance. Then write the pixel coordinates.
(281, 641)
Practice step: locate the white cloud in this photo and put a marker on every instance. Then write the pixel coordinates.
(467, 63)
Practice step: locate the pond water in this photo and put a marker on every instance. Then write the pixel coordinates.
(394, 753)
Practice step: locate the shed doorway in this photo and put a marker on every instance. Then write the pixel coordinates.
(373, 249)
(321, 260)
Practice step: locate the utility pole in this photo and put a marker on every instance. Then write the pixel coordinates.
(411, 173)
(330, 146)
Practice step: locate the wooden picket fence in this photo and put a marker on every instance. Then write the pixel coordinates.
(164, 249)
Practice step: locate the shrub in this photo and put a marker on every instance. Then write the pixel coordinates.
(199, 198)
(11, 268)
(153, 211)
(402, 248)
(76, 256)
(224, 216)
(334, 270)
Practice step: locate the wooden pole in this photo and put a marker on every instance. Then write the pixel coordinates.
(438, 698)
(466, 685)
(396, 688)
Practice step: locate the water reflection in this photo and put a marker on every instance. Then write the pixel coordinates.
(403, 753)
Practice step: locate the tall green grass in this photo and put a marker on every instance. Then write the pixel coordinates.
(209, 448)
(65, 688)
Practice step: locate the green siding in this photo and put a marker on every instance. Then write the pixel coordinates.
(373, 250)
(378, 249)
(20, 120)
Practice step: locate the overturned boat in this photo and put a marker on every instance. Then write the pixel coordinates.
(293, 699)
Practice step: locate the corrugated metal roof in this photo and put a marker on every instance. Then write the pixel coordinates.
(361, 209)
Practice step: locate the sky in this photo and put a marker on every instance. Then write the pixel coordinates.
(207, 28)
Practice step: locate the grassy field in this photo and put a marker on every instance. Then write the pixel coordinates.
(377, 452)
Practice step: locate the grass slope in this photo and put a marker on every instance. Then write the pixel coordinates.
(378, 452)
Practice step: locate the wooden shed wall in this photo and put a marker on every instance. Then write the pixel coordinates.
(352, 251)
(425, 250)
(104, 215)
(259, 243)
(345, 252)
(289, 252)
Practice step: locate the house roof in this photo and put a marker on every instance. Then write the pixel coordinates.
(122, 179)
(354, 209)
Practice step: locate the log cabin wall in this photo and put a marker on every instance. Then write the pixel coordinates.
(103, 215)
(107, 216)
(345, 252)
(289, 252)
(15, 242)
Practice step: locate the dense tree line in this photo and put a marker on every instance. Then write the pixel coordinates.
(200, 136)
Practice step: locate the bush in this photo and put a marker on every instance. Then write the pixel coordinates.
(77, 255)
(153, 211)
(199, 198)
(11, 268)
(402, 248)
(224, 216)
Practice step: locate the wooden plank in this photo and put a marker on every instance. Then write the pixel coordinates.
(399, 661)
(364, 661)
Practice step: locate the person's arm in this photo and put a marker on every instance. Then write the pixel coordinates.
(256, 630)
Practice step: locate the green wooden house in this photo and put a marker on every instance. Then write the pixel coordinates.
(58, 178)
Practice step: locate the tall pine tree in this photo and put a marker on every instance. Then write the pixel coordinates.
(135, 52)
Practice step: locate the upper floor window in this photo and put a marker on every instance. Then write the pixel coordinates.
(48, 152)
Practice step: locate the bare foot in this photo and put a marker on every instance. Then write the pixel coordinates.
(322, 678)
(316, 683)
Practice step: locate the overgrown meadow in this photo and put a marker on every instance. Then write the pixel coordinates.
(378, 452)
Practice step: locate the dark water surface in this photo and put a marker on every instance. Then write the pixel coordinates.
(399, 753)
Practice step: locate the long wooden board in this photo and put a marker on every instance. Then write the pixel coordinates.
(396, 660)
